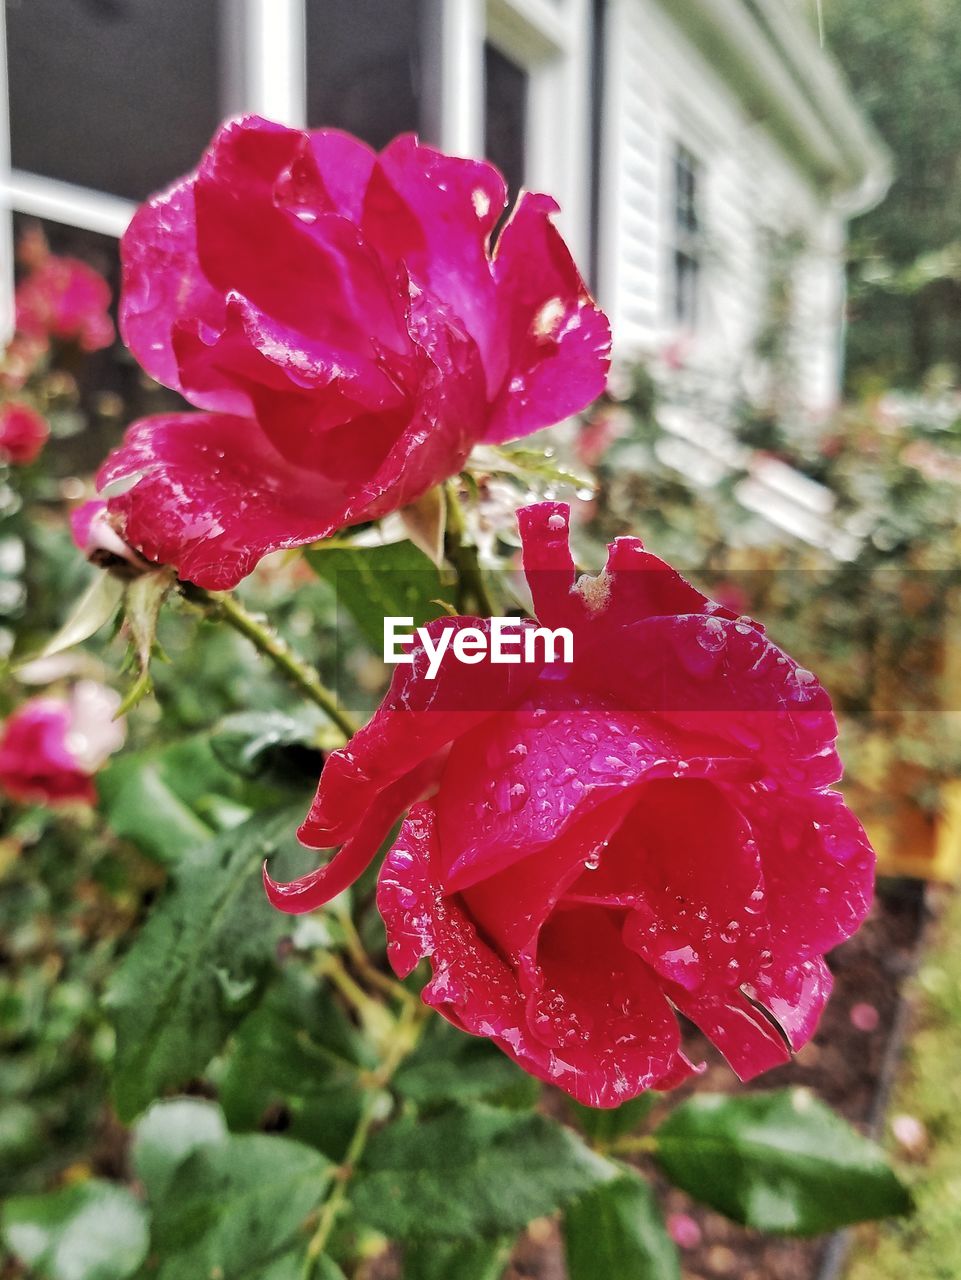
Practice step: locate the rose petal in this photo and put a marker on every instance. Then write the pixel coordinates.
(213, 496)
(163, 282)
(477, 991)
(435, 213)
(556, 342)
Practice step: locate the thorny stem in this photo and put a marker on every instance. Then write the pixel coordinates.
(227, 608)
(462, 553)
(403, 1043)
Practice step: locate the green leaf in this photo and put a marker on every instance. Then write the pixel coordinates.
(164, 799)
(167, 1134)
(603, 1125)
(471, 1171)
(448, 1066)
(457, 1259)
(236, 1209)
(92, 1231)
(291, 1267)
(250, 740)
(298, 1050)
(779, 1161)
(617, 1230)
(173, 1001)
(374, 583)
(139, 805)
(537, 466)
(93, 610)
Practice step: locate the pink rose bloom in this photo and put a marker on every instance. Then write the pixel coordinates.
(23, 433)
(644, 830)
(64, 298)
(340, 318)
(50, 748)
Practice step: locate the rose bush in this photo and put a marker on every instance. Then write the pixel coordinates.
(341, 321)
(50, 748)
(650, 830)
(23, 433)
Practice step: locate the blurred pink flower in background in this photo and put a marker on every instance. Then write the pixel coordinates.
(51, 747)
(23, 433)
(683, 1230)
(62, 298)
(599, 432)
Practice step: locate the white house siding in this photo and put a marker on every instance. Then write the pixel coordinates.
(660, 90)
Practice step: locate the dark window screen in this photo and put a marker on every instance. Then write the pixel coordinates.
(505, 107)
(118, 95)
(364, 67)
(687, 240)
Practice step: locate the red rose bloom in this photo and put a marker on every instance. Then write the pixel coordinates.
(23, 433)
(50, 748)
(644, 830)
(340, 318)
(64, 298)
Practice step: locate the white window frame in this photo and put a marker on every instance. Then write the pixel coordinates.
(552, 42)
(263, 70)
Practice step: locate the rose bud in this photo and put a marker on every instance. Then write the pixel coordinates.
(50, 748)
(94, 534)
(645, 830)
(23, 433)
(340, 317)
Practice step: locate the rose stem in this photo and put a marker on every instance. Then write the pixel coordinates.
(463, 556)
(362, 962)
(408, 1031)
(227, 608)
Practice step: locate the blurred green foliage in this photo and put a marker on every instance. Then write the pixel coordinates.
(903, 59)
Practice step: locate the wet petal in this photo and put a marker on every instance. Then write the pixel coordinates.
(213, 496)
(556, 341)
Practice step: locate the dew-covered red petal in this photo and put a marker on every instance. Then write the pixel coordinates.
(354, 856)
(651, 642)
(818, 870)
(214, 496)
(555, 342)
(686, 863)
(417, 720)
(435, 213)
(747, 1038)
(474, 987)
(162, 285)
(317, 275)
(516, 782)
(598, 1009)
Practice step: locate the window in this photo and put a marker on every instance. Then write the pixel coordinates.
(506, 86)
(120, 96)
(364, 67)
(114, 99)
(687, 237)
